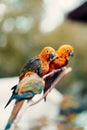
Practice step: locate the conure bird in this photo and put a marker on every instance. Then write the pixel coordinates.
(61, 60)
(26, 89)
(40, 63)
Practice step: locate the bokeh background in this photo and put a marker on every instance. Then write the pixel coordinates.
(26, 26)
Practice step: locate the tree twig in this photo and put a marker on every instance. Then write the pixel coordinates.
(55, 83)
(51, 73)
(61, 76)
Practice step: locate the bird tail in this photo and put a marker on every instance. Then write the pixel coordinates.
(15, 111)
(12, 97)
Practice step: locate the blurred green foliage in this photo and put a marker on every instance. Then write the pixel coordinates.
(21, 38)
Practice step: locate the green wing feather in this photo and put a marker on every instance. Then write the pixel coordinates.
(33, 65)
(32, 83)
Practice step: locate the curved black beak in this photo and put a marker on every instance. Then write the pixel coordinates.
(52, 56)
(71, 54)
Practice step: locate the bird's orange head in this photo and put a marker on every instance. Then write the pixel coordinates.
(48, 54)
(65, 51)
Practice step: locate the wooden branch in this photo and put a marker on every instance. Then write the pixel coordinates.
(62, 75)
(55, 83)
(51, 73)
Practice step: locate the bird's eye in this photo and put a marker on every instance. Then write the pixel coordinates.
(47, 51)
(67, 50)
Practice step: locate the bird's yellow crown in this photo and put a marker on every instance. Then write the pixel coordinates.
(65, 50)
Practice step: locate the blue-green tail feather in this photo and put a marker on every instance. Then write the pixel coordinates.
(23, 96)
(8, 125)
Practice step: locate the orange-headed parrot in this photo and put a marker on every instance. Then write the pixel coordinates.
(62, 58)
(60, 61)
(38, 65)
(26, 89)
